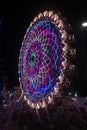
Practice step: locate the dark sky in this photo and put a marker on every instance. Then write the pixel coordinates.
(15, 18)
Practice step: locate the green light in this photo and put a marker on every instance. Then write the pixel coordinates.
(32, 59)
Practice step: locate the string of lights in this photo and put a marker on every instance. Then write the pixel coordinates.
(44, 58)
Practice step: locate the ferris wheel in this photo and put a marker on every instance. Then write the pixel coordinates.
(45, 60)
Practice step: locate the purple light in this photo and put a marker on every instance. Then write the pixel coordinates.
(41, 58)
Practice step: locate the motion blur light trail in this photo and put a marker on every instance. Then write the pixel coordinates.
(45, 58)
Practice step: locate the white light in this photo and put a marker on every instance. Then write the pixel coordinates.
(76, 94)
(3, 101)
(28, 102)
(32, 105)
(37, 106)
(74, 99)
(56, 90)
(84, 24)
(43, 104)
(69, 93)
(49, 99)
(61, 78)
(10, 95)
(25, 98)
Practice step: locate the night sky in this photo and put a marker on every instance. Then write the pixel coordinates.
(15, 18)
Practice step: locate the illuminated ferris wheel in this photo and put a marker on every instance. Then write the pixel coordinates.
(45, 59)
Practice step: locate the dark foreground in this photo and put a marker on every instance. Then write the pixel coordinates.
(68, 113)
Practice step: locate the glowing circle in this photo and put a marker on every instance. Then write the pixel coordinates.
(41, 60)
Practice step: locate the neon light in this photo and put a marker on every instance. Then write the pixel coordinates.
(41, 58)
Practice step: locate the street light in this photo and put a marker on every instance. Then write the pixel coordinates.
(84, 24)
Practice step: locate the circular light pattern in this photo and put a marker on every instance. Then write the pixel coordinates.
(43, 59)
